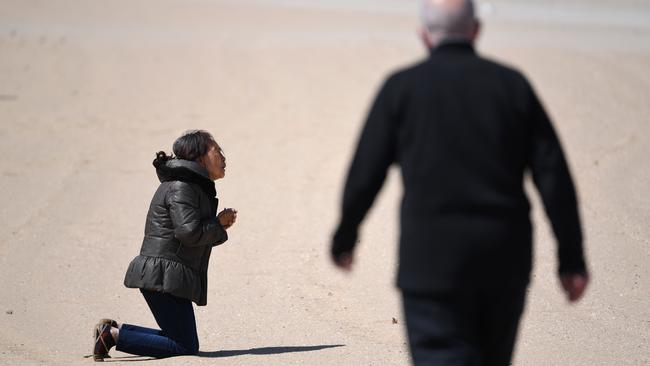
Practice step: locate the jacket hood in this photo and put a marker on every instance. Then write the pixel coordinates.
(186, 171)
(178, 168)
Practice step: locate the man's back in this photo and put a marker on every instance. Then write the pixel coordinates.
(463, 135)
(463, 131)
(464, 142)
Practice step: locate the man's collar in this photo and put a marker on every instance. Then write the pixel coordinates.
(453, 46)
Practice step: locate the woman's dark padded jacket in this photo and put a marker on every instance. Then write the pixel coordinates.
(179, 234)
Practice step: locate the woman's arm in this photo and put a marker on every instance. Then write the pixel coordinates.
(189, 228)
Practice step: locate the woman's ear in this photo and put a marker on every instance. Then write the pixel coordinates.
(201, 161)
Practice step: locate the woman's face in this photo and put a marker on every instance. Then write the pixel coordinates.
(214, 162)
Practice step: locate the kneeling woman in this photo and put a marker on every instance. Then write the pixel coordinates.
(171, 271)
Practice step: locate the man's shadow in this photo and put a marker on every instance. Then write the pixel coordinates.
(266, 350)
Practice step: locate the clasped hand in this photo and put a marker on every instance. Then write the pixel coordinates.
(227, 217)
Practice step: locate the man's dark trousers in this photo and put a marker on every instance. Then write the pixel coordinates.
(477, 327)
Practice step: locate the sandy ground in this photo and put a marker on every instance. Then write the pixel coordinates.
(90, 90)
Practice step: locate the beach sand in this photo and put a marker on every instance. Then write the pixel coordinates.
(89, 91)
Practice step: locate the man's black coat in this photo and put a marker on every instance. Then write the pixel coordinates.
(464, 131)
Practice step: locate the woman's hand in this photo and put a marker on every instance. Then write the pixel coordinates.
(227, 217)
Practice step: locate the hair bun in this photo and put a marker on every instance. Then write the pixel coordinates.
(161, 159)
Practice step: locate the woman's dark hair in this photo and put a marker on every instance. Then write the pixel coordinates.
(161, 159)
(190, 146)
(193, 144)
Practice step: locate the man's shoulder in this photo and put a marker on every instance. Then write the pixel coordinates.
(472, 69)
(502, 68)
(404, 75)
(406, 71)
(427, 65)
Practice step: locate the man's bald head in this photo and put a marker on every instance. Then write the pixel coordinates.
(448, 20)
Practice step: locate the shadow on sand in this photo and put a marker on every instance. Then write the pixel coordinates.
(128, 359)
(266, 350)
(231, 353)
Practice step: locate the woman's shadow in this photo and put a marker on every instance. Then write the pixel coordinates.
(238, 352)
(266, 350)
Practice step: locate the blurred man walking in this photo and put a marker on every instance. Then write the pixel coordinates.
(464, 130)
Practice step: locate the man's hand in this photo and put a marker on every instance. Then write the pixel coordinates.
(227, 217)
(344, 261)
(574, 285)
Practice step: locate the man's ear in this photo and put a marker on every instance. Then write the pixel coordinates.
(476, 30)
(425, 36)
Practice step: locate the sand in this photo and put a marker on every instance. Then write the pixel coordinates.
(90, 90)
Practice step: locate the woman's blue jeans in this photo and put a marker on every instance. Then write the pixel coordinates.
(177, 335)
